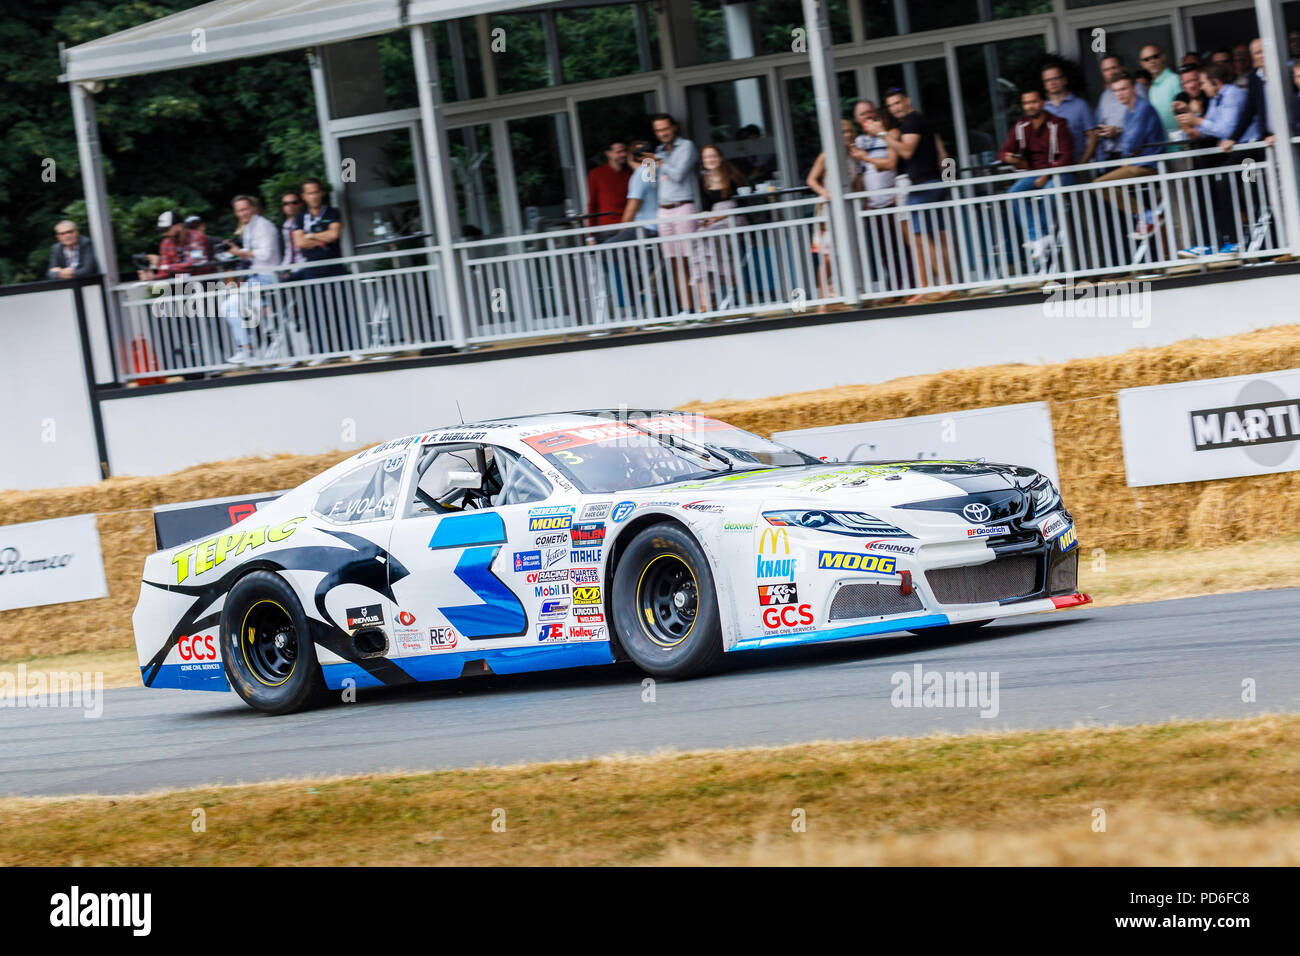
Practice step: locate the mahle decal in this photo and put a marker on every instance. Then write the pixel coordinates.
(210, 553)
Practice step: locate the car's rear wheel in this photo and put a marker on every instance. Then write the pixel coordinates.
(948, 632)
(665, 605)
(266, 645)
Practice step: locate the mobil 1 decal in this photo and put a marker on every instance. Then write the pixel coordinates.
(482, 535)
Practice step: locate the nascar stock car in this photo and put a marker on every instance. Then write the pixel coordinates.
(568, 539)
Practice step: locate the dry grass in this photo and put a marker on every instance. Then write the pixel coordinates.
(1206, 792)
(1139, 576)
(1085, 420)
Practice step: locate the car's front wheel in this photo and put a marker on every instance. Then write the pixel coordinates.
(665, 605)
(266, 646)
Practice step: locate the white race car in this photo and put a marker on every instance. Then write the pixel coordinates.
(584, 538)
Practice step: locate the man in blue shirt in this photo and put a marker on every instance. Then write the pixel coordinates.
(1142, 135)
(1078, 114)
(642, 207)
(1227, 101)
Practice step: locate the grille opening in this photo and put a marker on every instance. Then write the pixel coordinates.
(1065, 576)
(1011, 576)
(872, 600)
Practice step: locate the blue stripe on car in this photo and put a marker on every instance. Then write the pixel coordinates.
(839, 633)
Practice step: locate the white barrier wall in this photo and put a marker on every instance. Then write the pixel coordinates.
(47, 428)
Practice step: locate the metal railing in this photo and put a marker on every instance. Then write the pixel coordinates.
(1199, 207)
(370, 306)
(757, 257)
(978, 235)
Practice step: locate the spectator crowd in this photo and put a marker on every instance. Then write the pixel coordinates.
(683, 194)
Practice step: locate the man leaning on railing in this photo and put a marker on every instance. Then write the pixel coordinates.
(1223, 110)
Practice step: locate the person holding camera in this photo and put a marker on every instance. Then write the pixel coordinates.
(182, 251)
(258, 250)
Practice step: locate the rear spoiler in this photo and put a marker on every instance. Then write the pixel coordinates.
(189, 520)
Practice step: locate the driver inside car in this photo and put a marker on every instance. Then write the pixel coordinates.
(435, 491)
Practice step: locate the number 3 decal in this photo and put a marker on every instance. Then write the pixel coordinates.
(481, 534)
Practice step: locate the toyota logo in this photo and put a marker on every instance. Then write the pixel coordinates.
(977, 511)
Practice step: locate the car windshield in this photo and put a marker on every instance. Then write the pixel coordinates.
(643, 452)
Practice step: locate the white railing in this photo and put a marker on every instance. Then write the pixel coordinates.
(193, 324)
(764, 256)
(978, 236)
(757, 257)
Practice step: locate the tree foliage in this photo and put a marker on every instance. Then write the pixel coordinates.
(185, 139)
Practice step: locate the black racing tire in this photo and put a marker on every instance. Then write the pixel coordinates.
(951, 632)
(266, 646)
(665, 604)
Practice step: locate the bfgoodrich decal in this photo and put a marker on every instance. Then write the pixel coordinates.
(1215, 428)
(50, 562)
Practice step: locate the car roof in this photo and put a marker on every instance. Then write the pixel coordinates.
(516, 424)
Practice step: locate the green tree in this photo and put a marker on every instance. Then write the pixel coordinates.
(184, 139)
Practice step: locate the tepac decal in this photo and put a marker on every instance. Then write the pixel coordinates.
(206, 555)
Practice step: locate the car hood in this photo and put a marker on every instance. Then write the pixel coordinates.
(888, 484)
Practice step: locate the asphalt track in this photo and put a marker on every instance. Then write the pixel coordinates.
(1090, 666)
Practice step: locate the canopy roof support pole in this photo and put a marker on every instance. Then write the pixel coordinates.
(826, 92)
(438, 157)
(1272, 34)
(100, 223)
(328, 141)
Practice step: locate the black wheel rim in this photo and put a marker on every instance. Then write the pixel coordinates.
(668, 597)
(269, 643)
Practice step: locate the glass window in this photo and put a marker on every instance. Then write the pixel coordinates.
(372, 75)
(776, 20)
(719, 31)
(519, 54)
(994, 74)
(926, 82)
(881, 18)
(625, 117)
(460, 69)
(474, 170)
(1124, 42)
(803, 116)
(367, 494)
(435, 492)
(384, 201)
(601, 42)
(544, 170)
(734, 116)
(521, 481)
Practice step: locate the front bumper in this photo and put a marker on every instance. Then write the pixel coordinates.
(1028, 574)
(919, 622)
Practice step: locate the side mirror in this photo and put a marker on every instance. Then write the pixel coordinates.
(465, 479)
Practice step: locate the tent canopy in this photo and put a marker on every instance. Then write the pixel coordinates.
(227, 30)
